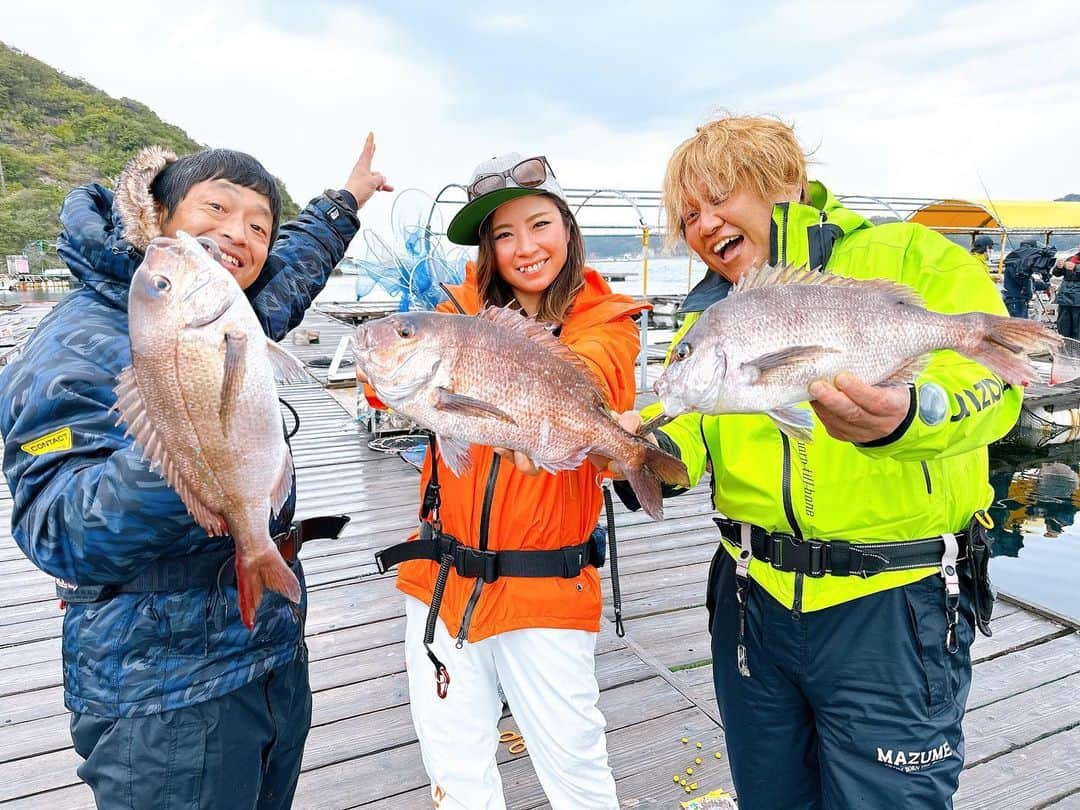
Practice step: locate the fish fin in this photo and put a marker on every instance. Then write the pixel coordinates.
(794, 422)
(132, 410)
(767, 364)
(287, 368)
(282, 487)
(908, 372)
(655, 467)
(267, 571)
(538, 333)
(447, 400)
(769, 276)
(455, 454)
(233, 378)
(1004, 342)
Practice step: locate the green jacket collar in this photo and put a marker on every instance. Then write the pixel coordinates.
(802, 234)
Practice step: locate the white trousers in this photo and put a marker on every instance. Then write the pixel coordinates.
(549, 679)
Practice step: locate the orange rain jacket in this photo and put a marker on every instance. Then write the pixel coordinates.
(540, 512)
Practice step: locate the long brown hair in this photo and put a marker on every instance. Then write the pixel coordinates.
(555, 301)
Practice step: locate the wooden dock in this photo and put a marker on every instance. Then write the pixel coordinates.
(1023, 724)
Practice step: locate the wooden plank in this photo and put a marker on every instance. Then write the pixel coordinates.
(24, 777)
(1013, 632)
(1023, 670)
(1016, 721)
(75, 797)
(1028, 777)
(1070, 802)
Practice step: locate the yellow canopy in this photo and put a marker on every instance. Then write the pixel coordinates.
(1008, 215)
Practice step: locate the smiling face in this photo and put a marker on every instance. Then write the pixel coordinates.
(238, 219)
(731, 233)
(530, 242)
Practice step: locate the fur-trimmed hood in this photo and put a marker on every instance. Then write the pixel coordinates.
(106, 232)
(132, 198)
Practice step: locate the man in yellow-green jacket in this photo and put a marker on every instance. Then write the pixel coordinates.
(850, 575)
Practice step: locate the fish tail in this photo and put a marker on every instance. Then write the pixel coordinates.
(253, 577)
(653, 468)
(1002, 345)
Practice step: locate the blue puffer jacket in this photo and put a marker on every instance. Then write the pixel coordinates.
(89, 511)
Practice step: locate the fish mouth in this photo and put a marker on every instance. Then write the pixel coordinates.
(219, 309)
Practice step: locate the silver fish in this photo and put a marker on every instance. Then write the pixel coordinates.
(200, 400)
(758, 349)
(503, 380)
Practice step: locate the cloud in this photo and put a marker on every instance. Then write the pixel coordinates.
(893, 98)
(502, 23)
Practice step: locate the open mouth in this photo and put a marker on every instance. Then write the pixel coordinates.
(223, 257)
(532, 269)
(728, 248)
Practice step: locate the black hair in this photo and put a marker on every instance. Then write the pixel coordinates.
(174, 181)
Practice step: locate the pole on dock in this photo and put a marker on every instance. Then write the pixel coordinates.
(644, 380)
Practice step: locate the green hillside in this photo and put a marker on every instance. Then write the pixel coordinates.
(57, 132)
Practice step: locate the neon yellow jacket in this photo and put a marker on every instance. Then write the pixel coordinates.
(929, 477)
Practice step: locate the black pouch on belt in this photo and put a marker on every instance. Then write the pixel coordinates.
(982, 594)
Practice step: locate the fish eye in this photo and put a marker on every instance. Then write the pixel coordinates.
(160, 283)
(405, 330)
(683, 350)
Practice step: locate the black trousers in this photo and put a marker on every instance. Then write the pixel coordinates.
(854, 706)
(238, 751)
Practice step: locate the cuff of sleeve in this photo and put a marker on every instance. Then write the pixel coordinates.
(339, 207)
(901, 429)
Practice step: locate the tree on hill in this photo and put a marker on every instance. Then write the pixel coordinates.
(58, 132)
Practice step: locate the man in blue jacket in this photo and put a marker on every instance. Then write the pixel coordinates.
(175, 703)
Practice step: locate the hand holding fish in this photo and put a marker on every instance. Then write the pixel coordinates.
(852, 411)
(362, 182)
(630, 421)
(524, 464)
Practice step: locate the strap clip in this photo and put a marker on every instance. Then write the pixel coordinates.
(472, 562)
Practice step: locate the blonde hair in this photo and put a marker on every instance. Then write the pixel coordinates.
(748, 153)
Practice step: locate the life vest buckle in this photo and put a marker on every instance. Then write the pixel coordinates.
(471, 563)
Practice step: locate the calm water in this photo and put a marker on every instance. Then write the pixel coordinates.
(1036, 540)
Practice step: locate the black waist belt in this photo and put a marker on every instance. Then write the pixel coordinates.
(471, 562)
(841, 558)
(201, 570)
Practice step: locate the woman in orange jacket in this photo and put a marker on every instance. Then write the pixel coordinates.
(535, 635)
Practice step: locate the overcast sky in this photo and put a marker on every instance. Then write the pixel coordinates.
(907, 98)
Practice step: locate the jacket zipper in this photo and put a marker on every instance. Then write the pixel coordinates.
(789, 511)
(485, 521)
(926, 477)
(783, 244)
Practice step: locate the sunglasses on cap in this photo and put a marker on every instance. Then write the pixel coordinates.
(529, 173)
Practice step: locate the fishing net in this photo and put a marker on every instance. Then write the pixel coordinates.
(415, 268)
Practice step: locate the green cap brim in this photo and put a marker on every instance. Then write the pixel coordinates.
(465, 226)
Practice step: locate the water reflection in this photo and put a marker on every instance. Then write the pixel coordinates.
(1036, 497)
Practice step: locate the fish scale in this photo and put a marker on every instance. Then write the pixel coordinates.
(503, 380)
(200, 400)
(780, 329)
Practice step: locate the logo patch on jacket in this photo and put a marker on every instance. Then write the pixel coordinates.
(49, 443)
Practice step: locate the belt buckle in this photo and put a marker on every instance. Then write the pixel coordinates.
(472, 562)
(807, 556)
(816, 563)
